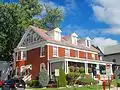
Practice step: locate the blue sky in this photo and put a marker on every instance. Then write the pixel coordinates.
(97, 19)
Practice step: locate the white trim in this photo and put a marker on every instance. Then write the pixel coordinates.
(55, 51)
(47, 52)
(25, 34)
(37, 45)
(41, 49)
(80, 60)
(61, 46)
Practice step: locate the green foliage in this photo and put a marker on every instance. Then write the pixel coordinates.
(32, 83)
(15, 18)
(71, 68)
(90, 70)
(62, 78)
(43, 78)
(87, 81)
(82, 70)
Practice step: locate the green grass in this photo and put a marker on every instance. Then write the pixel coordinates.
(73, 88)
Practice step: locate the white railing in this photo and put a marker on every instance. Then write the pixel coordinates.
(27, 78)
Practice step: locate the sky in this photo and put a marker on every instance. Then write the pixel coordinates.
(97, 19)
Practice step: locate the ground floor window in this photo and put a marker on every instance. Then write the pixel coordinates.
(102, 69)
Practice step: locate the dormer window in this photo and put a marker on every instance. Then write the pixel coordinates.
(74, 38)
(55, 34)
(88, 44)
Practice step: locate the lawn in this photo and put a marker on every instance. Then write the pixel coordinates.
(73, 88)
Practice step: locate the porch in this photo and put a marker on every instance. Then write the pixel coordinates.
(65, 63)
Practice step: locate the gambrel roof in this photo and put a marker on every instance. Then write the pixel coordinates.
(42, 35)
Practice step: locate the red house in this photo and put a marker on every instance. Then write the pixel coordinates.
(52, 50)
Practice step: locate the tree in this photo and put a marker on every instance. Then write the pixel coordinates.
(15, 18)
(43, 78)
(62, 78)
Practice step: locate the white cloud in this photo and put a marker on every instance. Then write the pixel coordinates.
(102, 42)
(82, 32)
(113, 30)
(108, 11)
(53, 5)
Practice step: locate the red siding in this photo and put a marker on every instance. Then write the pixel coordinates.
(50, 52)
(97, 57)
(33, 57)
(82, 54)
(72, 53)
(19, 55)
(61, 52)
(89, 55)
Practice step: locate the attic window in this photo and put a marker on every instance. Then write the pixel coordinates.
(88, 43)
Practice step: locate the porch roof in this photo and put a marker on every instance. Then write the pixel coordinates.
(73, 59)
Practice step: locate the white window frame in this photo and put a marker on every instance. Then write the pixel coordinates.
(88, 44)
(93, 56)
(55, 51)
(67, 52)
(41, 51)
(76, 53)
(16, 56)
(22, 55)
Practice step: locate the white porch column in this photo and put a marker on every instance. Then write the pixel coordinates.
(67, 67)
(111, 69)
(98, 69)
(48, 68)
(86, 68)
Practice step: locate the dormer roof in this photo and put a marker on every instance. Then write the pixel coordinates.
(64, 39)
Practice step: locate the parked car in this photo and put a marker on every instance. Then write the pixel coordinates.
(14, 84)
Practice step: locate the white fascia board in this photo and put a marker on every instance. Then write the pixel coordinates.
(70, 48)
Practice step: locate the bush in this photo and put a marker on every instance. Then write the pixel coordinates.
(82, 70)
(89, 70)
(87, 81)
(76, 69)
(62, 79)
(43, 78)
(33, 83)
(71, 68)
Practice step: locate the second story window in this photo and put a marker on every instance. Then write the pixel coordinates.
(42, 51)
(55, 51)
(67, 52)
(16, 55)
(93, 56)
(24, 55)
(76, 54)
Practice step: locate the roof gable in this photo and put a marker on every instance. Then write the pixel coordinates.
(30, 37)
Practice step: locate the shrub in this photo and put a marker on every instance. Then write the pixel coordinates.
(81, 69)
(87, 81)
(62, 79)
(43, 78)
(90, 70)
(76, 69)
(33, 83)
(71, 68)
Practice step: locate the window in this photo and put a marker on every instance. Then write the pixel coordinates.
(24, 55)
(93, 56)
(76, 54)
(42, 51)
(67, 52)
(87, 43)
(16, 55)
(55, 51)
